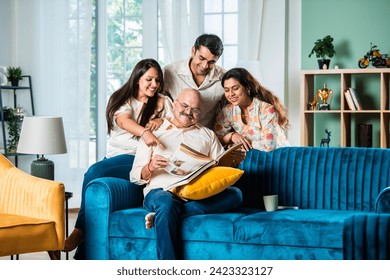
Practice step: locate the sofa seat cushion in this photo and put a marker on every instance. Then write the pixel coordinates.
(210, 227)
(130, 223)
(302, 228)
(21, 234)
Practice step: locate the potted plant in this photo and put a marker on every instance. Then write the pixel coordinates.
(324, 50)
(14, 75)
(14, 124)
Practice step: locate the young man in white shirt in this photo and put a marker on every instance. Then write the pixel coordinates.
(201, 73)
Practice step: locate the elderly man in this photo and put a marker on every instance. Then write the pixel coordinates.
(201, 73)
(167, 208)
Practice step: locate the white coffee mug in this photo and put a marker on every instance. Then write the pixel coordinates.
(270, 202)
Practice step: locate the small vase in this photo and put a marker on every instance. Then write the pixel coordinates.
(15, 83)
(322, 62)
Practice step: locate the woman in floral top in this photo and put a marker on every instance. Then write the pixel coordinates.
(251, 114)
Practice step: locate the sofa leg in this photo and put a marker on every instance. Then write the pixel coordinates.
(54, 255)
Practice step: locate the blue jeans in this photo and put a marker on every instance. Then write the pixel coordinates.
(170, 210)
(119, 167)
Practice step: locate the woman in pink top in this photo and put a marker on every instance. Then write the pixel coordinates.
(251, 114)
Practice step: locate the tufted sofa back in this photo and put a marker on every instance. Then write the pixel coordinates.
(334, 178)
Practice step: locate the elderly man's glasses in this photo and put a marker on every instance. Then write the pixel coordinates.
(195, 111)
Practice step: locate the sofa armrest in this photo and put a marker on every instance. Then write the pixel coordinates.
(382, 203)
(367, 237)
(102, 197)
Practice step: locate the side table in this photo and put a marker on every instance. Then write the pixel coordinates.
(68, 195)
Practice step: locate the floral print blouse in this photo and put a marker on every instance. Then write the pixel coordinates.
(262, 127)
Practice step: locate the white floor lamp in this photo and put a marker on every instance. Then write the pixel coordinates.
(42, 135)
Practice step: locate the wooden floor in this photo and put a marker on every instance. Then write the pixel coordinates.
(44, 255)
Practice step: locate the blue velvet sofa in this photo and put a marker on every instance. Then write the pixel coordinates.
(342, 197)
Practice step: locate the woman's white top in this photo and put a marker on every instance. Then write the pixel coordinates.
(123, 142)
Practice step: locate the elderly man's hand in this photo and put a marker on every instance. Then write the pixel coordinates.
(157, 162)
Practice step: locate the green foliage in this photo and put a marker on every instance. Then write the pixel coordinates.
(124, 47)
(323, 48)
(14, 127)
(14, 73)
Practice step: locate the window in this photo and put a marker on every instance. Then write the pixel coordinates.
(221, 17)
(133, 35)
(124, 40)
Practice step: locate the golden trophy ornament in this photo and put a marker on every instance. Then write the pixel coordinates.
(324, 94)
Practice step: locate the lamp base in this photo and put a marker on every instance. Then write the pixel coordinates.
(43, 168)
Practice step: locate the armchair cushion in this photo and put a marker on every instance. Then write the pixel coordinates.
(25, 234)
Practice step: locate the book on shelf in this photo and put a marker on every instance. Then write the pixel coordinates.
(348, 97)
(355, 98)
(187, 163)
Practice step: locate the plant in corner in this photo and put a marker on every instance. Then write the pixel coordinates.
(14, 125)
(324, 50)
(14, 75)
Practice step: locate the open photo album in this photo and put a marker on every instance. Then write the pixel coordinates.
(187, 163)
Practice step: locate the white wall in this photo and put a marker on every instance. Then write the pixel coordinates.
(6, 32)
(281, 59)
(8, 57)
(293, 70)
(272, 55)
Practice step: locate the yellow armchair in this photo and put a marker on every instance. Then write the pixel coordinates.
(31, 213)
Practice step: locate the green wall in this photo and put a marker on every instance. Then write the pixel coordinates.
(353, 24)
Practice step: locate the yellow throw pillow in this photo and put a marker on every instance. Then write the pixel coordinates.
(209, 183)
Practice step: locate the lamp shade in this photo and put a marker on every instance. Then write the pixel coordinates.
(42, 135)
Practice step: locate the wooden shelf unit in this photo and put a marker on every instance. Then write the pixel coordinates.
(375, 103)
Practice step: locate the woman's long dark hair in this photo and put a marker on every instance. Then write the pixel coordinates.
(256, 90)
(130, 88)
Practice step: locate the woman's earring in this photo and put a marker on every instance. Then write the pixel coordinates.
(249, 92)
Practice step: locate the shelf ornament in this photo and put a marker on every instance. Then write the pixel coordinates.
(325, 141)
(324, 94)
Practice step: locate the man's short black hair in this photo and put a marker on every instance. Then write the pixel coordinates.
(210, 41)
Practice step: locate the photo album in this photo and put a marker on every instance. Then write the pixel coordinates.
(187, 163)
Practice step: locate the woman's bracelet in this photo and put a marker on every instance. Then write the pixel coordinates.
(142, 133)
(231, 137)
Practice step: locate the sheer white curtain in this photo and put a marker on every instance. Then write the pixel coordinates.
(182, 21)
(180, 25)
(53, 45)
(250, 17)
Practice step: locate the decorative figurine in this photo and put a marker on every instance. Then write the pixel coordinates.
(313, 104)
(324, 94)
(375, 57)
(325, 140)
